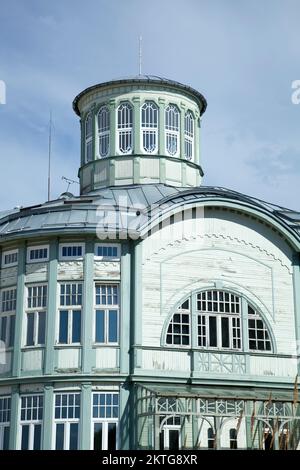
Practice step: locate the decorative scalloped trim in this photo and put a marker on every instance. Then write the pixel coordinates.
(227, 237)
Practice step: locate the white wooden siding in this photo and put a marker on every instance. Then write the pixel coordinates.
(68, 358)
(32, 359)
(107, 358)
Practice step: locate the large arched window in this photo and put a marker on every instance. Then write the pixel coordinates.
(172, 130)
(188, 136)
(125, 128)
(218, 316)
(88, 138)
(103, 131)
(149, 126)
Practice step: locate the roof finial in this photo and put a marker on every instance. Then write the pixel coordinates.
(140, 55)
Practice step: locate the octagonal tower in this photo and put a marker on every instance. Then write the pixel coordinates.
(138, 131)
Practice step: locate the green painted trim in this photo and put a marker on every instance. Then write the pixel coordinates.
(51, 308)
(113, 122)
(88, 308)
(125, 429)
(136, 170)
(14, 418)
(161, 127)
(111, 172)
(197, 141)
(162, 171)
(181, 131)
(136, 124)
(48, 417)
(85, 416)
(17, 357)
(248, 411)
(136, 293)
(125, 308)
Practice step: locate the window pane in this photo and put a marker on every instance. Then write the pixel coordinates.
(59, 444)
(3, 329)
(98, 436)
(37, 437)
(41, 329)
(30, 329)
(100, 326)
(73, 436)
(212, 331)
(113, 326)
(112, 436)
(63, 327)
(25, 437)
(6, 438)
(225, 332)
(76, 328)
(12, 330)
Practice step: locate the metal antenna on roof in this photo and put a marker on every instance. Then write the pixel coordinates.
(69, 182)
(49, 154)
(140, 55)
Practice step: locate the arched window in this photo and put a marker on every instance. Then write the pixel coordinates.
(103, 131)
(259, 339)
(89, 138)
(149, 126)
(172, 130)
(218, 323)
(179, 327)
(188, 136)
(125, 128)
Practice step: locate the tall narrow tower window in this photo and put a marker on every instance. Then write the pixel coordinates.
(125, 131)
(172, 130)
(149, 126)
(103, 131)
(188, 136)
(88, 138)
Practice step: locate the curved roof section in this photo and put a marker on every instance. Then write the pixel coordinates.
(132, 208)
(143, 79)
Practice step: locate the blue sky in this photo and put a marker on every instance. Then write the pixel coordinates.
(242, 55)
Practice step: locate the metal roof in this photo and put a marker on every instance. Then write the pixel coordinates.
(146, 80)
(127, 208)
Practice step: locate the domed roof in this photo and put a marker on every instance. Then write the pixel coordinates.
(130, 209)
(146, 80)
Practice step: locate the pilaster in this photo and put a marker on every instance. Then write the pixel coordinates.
(49, 363)
(88, 310)
(17, 354)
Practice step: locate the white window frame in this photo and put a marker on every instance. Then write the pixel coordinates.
(124, 128)
(105, 421)
(105, 134)
(66, 421)
(9, 253)
(107, 308)
(70, 245)
(151, 127)
(10, 316)
(172, 131)
(37, 247)
(4, 424)
(107, 258)
(88, 138)
(30, 422)
(36, 311)
(70, 309)
(189, 134)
